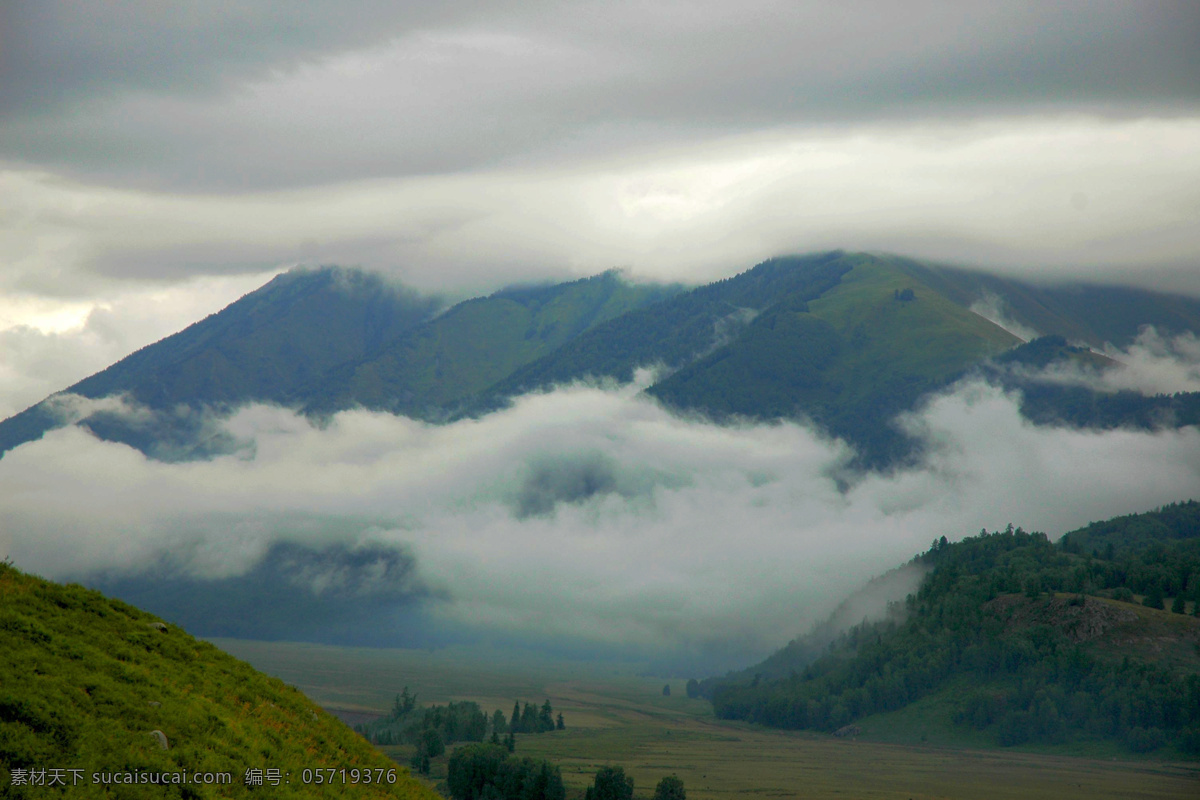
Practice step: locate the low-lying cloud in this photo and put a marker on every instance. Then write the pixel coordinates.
(586, 513)
(1153, 364)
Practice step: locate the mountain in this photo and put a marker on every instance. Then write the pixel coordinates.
(847, 340)
(432, 368)
(1045, 401)
(324, 340)
(850, 340)
(266, 346)
(1091, 642)
(1079, 312)
(95, 685)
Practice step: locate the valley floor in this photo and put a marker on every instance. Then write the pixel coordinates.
(614, 716)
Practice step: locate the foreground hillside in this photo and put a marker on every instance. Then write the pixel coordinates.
(1012, 639)
(95, 688)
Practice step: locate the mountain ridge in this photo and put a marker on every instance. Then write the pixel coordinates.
(846, 340)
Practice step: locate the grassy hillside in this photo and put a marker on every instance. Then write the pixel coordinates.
(851, 358)
(433, 367)
(85, 680)
(675, 332)
(1012, 640)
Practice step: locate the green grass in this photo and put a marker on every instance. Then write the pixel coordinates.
(479, 342)
(615, 716)
(929, 336)
(85, 679)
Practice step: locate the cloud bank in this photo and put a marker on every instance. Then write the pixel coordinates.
(585, 514)
(1152, 364)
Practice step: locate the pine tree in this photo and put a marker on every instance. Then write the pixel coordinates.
(560, 725)
(514, 725)
(528, 720)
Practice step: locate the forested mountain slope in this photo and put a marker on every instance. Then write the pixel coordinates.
(1093, 639)
(94, 685)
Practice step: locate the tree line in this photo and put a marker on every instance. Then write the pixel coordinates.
(490, 772)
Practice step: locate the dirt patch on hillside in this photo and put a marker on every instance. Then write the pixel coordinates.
(1081, 619)
(1116, 628)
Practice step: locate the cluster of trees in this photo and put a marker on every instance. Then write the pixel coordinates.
(531, 720)
(429, 728)
(611, 783)
(490, 772)
(988, 612)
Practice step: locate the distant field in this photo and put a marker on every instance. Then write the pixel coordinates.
(614, 716)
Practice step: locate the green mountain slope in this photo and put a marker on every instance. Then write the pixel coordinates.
(676, 331)
(847, 340)
(85, 681)
(433, 367)
(850, 358)
(1013, 640)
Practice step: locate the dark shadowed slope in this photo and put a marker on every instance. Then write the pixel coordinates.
(266, 346)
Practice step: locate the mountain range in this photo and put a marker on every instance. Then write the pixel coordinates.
(846, 340)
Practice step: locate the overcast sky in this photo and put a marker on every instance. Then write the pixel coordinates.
(157, 160)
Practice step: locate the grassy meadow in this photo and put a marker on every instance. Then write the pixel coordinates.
(615, 716)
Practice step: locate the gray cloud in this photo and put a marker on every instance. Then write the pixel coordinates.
(58, 347)
(465, 146)
(63, 51)
(583, 513)
(265, 94)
